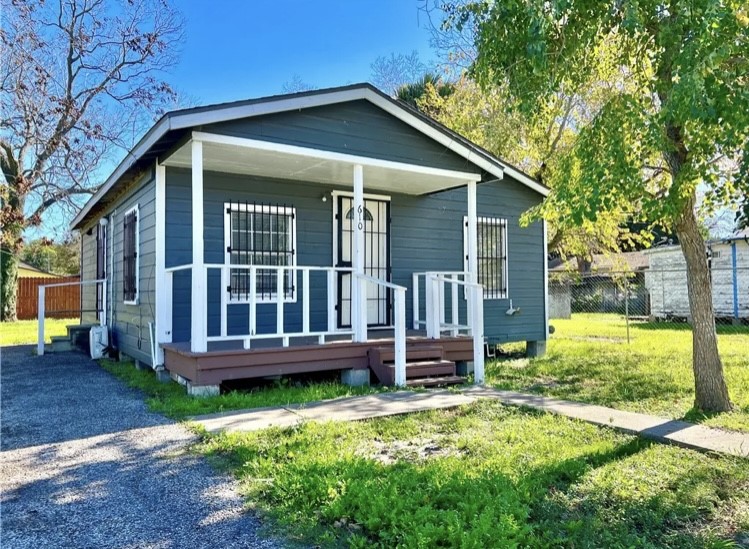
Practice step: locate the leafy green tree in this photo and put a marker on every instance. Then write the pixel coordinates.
(536, 144)
(684, 108)
(413, 92)
(61, 258)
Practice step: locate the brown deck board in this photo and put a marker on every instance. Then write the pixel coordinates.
(218, 365)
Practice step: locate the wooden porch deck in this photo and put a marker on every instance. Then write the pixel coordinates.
(226, 362)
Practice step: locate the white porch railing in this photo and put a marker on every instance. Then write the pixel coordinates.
(280, 300)
(42, 302)
(399, 324)
(428, 321)
(436, 310)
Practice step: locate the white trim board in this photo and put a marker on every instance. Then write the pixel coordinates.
(181, 120)
(322, 154)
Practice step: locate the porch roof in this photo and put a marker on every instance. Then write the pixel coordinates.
(239, 155)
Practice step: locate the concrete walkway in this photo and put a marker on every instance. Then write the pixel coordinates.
(663, 430)
(340, 409)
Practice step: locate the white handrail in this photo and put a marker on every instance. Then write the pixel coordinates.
(399, 327)
(435, 310)
(184, 267)
(41, 309)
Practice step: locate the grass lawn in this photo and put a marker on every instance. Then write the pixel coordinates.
(589, 359)
(172, 400)
(23, 332)
(485, 475)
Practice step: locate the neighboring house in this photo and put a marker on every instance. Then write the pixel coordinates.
(29, 271)
(599, 285)
(729, 268)
(234, 232)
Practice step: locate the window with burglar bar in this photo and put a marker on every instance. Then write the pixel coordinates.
(491, 252)
(130, 256)
(261, 235)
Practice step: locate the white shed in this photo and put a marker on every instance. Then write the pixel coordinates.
(666, 280)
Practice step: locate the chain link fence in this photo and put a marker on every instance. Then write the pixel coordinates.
(616, 305)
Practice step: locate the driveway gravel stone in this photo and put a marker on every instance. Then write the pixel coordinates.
(84, 464)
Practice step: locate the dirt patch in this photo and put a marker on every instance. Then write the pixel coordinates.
(418, 449)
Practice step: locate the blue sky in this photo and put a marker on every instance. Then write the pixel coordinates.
(239, 49)
(234, 49)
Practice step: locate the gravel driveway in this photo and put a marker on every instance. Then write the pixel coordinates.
(84, 464)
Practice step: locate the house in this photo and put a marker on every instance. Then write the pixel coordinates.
(729, 269)
(599, 285)
(29, 271)
(335, 229)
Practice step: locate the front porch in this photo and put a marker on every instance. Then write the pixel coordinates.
(428, 362)
(258, 313)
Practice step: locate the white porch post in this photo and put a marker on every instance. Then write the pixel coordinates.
(198, 331)
(476, 301)
(163, 301)
(472, 232)
(358, 287)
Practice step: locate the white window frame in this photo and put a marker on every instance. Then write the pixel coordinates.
(230, 207)
(135, 209)
(505, 267)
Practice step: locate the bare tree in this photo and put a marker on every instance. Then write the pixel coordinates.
(391, 73)
(79, 80)
(455, 44)
(296, 85)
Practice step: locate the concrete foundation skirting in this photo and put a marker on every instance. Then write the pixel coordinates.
(203, 390)
(163, 376)
(464, 368)
(535, 348)
(355, 377)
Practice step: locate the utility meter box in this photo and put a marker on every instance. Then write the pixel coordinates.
(98, 341)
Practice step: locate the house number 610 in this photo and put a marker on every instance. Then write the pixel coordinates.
(360, 226)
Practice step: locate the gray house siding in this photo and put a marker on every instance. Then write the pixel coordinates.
(129, 323)
(356, 127)
(88, 272)
(314, 246)
(426, 234)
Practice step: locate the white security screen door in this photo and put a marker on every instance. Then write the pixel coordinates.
(376, 221)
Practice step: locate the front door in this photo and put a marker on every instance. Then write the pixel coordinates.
(376, 219)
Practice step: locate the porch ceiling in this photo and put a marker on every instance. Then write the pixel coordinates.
(266, 159)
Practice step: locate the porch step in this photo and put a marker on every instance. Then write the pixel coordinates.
(426, 368)
(435, 381)
(422, 362)
(413, 353)
(59, 344)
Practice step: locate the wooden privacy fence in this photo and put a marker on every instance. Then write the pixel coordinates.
(61, 301)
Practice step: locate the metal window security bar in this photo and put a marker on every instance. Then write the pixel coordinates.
(260, 234)
(376, 220)
(491, 255)
(130, 253)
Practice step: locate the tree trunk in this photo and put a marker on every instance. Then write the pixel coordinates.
(711, 393)
(8, 285)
